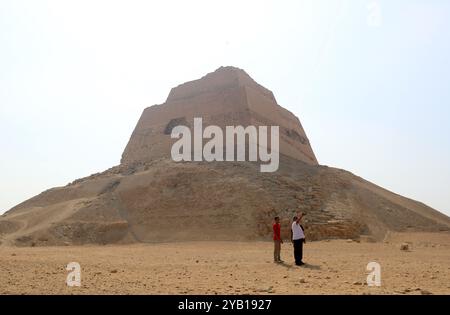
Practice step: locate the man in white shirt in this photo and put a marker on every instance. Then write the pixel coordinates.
(298, 238)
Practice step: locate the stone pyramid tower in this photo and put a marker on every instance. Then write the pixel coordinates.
(225, 97)
(151, 198)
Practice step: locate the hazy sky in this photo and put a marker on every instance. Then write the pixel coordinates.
(369, 81)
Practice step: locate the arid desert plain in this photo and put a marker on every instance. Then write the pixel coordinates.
(333, 267)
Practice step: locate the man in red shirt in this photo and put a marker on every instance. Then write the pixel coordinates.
(277, 240)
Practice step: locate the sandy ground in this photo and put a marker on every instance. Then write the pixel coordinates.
(334, 267)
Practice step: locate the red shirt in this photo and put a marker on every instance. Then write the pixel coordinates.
(276, 232)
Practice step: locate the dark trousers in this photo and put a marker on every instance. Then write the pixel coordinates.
(298, 251)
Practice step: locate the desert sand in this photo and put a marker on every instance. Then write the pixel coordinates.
(333, 267)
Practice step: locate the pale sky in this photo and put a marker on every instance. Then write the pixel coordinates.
(368, 79)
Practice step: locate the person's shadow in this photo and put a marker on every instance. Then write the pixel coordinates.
(306, 265)
(311, 266)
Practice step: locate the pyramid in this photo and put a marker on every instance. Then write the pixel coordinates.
(151, 198)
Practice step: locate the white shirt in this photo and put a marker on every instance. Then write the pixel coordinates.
(297, 232)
